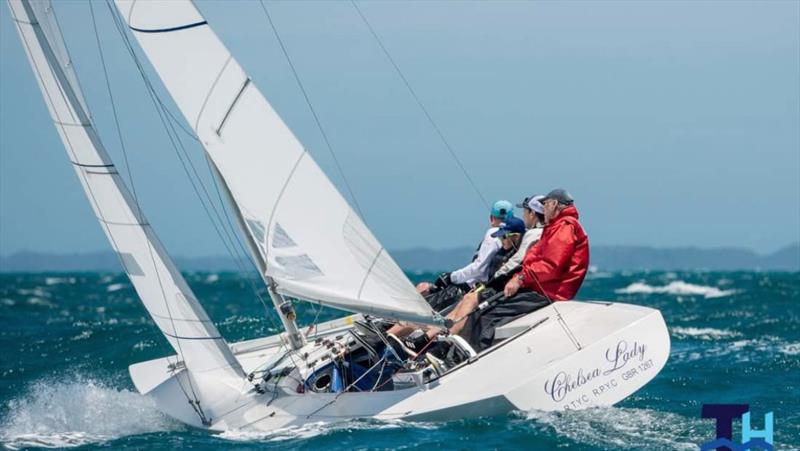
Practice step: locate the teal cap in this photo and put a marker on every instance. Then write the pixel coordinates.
(502, 209)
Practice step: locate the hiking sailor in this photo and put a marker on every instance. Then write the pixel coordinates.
(552, 270)
(477, 270)
(449, 288)
(533, 216)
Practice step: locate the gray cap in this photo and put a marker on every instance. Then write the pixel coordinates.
(561, 195)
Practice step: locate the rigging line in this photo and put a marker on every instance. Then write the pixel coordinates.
(241, 251)
(138, 207)
(345, 390)
(561, 320)
(174, 121)
(165, 115)
(422, 106)
(162, 111)
(114, 110)
(313, 111)
(167, 127)
(314, 322)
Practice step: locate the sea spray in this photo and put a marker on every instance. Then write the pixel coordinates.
(677, 287)
(77, 410)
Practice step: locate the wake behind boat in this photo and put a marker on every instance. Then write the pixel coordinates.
(568, 355)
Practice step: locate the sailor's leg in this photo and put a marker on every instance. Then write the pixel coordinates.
(462, 310)
(401, 329)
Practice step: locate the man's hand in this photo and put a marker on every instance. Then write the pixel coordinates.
(512, 287)
(443, 281)
(424, 288)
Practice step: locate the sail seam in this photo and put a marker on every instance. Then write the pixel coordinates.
(233, 104)
(369, 271)
(189, 338)
(182, 319)
(168, 30)
(102, 173)
(211, 91)
(277, 201)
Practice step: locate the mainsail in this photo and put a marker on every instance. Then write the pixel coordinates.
(310, 242)
(162, 289)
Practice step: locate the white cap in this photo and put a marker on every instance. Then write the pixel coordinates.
(534, 203)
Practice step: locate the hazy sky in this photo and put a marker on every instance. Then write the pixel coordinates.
(672, 123)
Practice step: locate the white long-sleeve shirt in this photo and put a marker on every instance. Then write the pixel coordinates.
(529, 239)
(478, 270)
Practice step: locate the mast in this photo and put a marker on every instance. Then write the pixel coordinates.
(283, 306)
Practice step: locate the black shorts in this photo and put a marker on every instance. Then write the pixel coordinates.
(482, 324)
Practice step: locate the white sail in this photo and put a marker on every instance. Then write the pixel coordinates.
(162, 289)
(312, 244)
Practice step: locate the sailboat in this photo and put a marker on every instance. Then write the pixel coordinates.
(569, 355)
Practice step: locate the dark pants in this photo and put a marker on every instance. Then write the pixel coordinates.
(482, 324)
(443, 298)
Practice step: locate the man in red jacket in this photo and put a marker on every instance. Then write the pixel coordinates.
(555, 266)
(553, 270)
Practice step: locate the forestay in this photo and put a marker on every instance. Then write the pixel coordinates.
(162, 289)
(313, 245)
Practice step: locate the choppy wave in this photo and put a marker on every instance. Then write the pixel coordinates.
(703, 333)
(311, 430)
(738, 351)
(677, 287)
(75, 411)
(623, 428)
(790, 349)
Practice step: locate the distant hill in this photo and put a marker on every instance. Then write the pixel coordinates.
(103, 261)
(614, 258)
(608, 258)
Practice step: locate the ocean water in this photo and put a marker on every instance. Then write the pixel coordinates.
(66, 341)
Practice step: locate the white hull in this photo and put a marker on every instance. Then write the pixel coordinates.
(535, 367)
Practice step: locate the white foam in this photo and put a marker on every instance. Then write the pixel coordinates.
(116, 287)
(703, 333)
(77, 411)
(630, 428)
(211, 278)
(38, 292)
(790, 349)
(59, 280)
(677, 287)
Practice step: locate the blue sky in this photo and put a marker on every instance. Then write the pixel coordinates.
(672, 123)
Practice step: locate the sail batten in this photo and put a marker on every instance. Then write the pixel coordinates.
(163, 291)
(309, 240)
